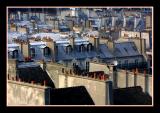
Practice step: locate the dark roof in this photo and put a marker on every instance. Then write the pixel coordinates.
(70, 96)
(35, 74)
(103, 53)
(126, 49)
(131, 96)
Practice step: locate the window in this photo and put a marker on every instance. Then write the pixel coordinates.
(119, 63)
(125, 50)
(136, 62)
(32, 50)
(68, 49)
(126, 62)
(81, 48)
(89, 47)
(74, 65)
(46, 51)
(87, 66)
(15, 54)
(151, 62)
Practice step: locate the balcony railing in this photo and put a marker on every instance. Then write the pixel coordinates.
(133, 65)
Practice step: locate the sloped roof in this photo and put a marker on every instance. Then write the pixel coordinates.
(125, 49)
(70, 96)
(131, 96)
(36, 74)
(103, 53)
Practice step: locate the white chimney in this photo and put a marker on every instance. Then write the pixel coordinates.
(135, 23)
(19, 15)
(113, 21)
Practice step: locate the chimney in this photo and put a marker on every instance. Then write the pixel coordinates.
(87, 23)
(142, 44)
(72, 41)
(124, 21)
(33, 25)
(19, 15)
(70, 24)
(145, 72)
(19, 80)
(96, 43)
(113, 75)
(39, 16)
(27, 31)
(25, 48)
(32, 82)
(137, 71)
(135, 23)
(113, 21)
(54, 49)
(44, 82)
(56, 24)
(111, 45)
(16, 28)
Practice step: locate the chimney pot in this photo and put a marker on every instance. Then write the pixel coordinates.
(44, 83)
(145, 72)
(62, 70)
(133, 70)
(16, 78)
(71, 71)
(87, 75)
(100, 77)
(136, 70)
(32, 82)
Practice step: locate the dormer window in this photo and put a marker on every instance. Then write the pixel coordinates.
(15, 54)
(32, 50)
(126, 50)
(87, 66)
(68, 49)
(12, 53)
(46, 51)
(89, 47)
(81, 48)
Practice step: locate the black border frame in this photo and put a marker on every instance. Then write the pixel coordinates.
(4, 4)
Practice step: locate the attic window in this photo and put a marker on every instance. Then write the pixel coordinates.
(68, 49)
(32, 51)
(15, 54)
(81, 48)
(46, 51)
(126, 50)
(89, 47)
(87, 66)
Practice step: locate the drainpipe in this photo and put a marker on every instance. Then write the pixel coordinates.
(146, 82)
(141, 43)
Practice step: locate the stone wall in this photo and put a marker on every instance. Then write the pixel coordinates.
(20, 93)
(130, 80)
(12, 64)
(99, 90)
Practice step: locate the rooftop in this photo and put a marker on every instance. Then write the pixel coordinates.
(71, 96)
